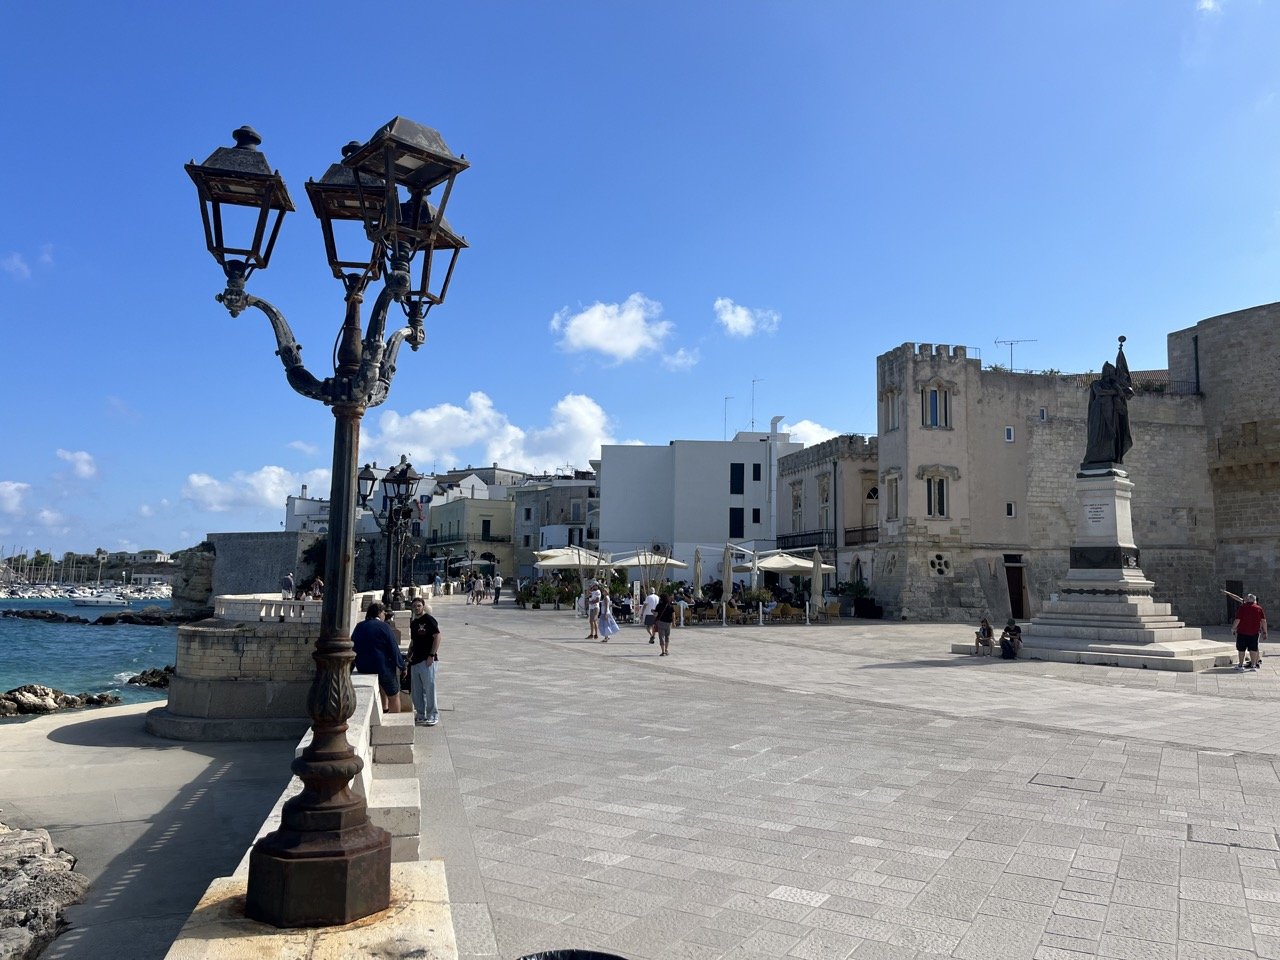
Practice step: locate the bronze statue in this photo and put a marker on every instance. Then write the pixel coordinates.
(1109, 437)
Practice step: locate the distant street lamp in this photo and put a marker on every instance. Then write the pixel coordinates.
(400, 486)
(327, 864)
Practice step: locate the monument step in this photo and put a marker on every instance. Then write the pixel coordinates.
(1135, 634)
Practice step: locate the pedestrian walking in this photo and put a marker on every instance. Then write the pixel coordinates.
(1250, 624)
(662, 620)
(647, 611)
(497, 588)
(286, 586)
(593, 612)
(424, 657)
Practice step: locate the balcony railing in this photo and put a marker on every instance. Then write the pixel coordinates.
(857, 535)
(810, 538)
(447, 538)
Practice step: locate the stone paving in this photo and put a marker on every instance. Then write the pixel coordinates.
(844, 790)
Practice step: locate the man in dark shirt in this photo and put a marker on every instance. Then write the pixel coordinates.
(424, 650)
(377, 652)
(664, 616)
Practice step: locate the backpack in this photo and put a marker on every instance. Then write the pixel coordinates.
(1007, 650)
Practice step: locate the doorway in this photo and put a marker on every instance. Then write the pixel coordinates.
(1013, 567)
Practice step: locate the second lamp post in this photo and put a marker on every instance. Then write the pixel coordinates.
(400, 486)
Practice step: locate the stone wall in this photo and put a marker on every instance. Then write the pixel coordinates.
(255, 562)
(1236, 355)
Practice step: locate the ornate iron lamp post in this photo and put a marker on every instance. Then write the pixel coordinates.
(327, 864)
(401, 486)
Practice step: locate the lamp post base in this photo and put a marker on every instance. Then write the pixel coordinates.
(319, 879)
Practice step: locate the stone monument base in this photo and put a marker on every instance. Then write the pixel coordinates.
(1101, 625)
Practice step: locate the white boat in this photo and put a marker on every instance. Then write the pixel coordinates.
(101, 600)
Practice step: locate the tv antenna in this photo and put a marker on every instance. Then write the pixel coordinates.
(725, 435)
(1011, 343)
(754, 381)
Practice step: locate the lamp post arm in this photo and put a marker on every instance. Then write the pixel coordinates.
(370, 383)
(379, 389)
(290, 352)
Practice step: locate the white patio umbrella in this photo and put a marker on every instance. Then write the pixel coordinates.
(697, 573)
(726, 583)
(755, 570)
(815, 586)
(784, 563)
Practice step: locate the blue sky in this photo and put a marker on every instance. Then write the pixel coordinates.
(666, 202)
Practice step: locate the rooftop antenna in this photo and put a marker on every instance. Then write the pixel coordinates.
(754, 381)
(725, 435)
(1011, 343)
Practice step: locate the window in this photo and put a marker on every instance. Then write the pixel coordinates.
(526, 539)
(755, 472)
(824, 501)
(797, 506)
(935, 407)
(484, 529)
(1044, 414)
(415, 529)
(1008, 434)
(935, 496)
(528, 515)
(736, 522)
(1010, 508)
(891, 498)
(575, 511)
(891, 410)
(755, 514)
(737, 477)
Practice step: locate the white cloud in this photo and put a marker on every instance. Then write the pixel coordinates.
(266, 488)
(46, 255)
(82, 463)
(15, 264)
(739, 321)
(434, 438)
(622, 331)
(681, 360)
(310, 449)
(11, 494)
(50, 518)
(1209, 6)
(808, 432)
(146, 510)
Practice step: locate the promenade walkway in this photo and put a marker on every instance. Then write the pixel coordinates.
(834, 791)
(846, 791)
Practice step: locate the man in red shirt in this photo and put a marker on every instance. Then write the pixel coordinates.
(1250, 623)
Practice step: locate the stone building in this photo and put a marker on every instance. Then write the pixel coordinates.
(551, 511)
(976, 487)
(829, 498)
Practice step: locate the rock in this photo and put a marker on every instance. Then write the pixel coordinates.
(36, 698)
(154, 678)
(37, 882)
(48, 616)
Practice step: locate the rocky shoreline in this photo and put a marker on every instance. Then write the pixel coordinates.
(147, 617)
(37, 882)
(34, 698)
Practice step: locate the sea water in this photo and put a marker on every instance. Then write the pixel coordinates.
(82, 658)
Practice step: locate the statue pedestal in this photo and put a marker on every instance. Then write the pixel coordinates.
(1104, 613)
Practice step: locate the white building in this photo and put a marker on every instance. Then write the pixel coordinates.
(692, 493)
(306, 513)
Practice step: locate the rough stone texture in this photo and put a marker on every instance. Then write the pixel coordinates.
(33, 698)
(1235, 354)
(36, 882)
(193, 583)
